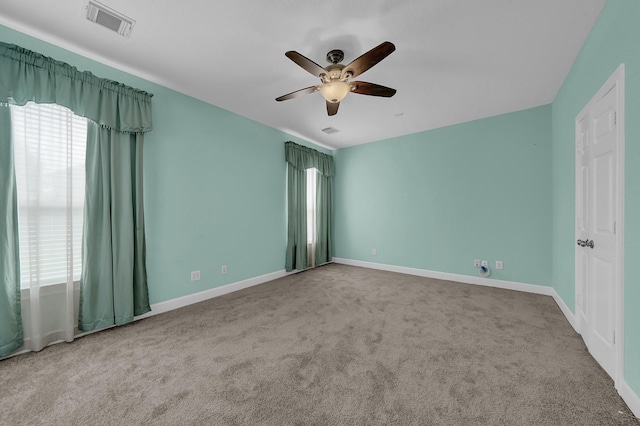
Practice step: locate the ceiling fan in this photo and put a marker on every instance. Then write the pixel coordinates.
(335, 77)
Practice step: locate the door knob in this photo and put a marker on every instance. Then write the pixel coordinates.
(586, 243)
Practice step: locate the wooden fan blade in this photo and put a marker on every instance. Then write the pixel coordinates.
(369, 59)
(297, 93)
(364, 88)
(332, 108)
(305, 63)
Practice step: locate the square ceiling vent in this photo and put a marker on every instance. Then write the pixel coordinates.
(109, 18)
(330, 130)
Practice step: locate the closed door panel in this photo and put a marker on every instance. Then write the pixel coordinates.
(596, 204)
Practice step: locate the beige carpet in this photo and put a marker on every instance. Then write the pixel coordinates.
(338, 345)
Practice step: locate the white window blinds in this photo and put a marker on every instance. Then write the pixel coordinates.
(311, 205)
(49, 148)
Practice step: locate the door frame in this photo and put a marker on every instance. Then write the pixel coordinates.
(615, 82)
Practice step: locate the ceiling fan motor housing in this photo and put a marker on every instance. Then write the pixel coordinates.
(335, 56)
(334, 72)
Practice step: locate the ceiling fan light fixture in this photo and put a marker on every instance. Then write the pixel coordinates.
(335, 91)
(335, 77)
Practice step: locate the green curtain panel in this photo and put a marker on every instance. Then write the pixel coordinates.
(29, 76)
(296, 219)
(114, 286)
(324, 219)
(300, 158)
(10, 320)
(113, 275)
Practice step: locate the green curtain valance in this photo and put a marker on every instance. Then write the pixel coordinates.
(29, 76)
(304, 158)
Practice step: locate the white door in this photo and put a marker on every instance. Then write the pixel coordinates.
(598, 248)
(582, 224)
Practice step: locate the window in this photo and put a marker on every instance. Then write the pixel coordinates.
(311, 205)
(49, 149)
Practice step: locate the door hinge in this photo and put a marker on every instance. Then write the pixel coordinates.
(614, 228)
(613, 118)
(614, 337)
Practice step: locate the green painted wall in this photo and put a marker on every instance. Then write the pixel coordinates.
(214, 186)
(613, 40)
(438, 199)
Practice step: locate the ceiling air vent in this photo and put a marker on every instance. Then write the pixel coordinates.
(330, 130)
(109, 18)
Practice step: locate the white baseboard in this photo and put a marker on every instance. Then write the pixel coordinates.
(467, 279)
(565, 310)
(630, 397)
(169, 305)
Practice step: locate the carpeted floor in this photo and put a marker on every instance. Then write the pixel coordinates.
(337, 345)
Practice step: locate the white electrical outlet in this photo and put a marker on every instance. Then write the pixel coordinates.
(485, 263)
(499, 264)
(374, 252)
(476, 263)
(223, 269)
(195, 275)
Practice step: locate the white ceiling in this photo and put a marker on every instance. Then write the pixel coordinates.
(455, 60)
